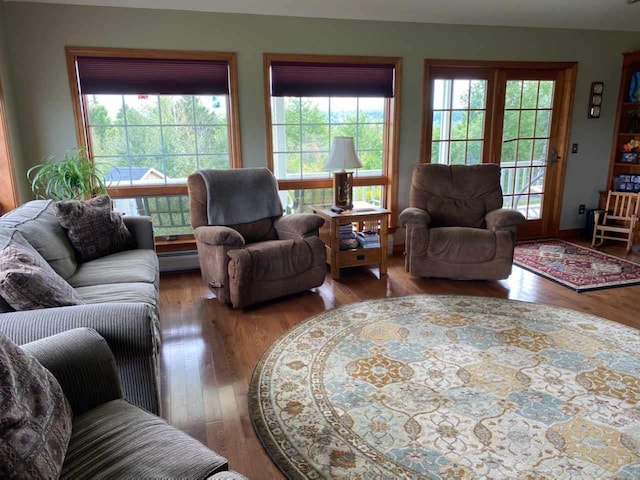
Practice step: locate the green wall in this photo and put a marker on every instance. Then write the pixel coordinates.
(37, 34)
(11, 107)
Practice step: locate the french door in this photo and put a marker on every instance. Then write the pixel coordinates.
(513, 114)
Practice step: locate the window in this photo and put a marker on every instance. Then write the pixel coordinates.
(148, 119)
(312, 98)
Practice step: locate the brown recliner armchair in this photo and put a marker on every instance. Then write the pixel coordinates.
(456, 226)
(248, 251)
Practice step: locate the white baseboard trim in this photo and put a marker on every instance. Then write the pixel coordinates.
(178, 261)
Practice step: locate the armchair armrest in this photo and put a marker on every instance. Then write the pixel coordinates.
(298, 225)
(503, 219)
(142, 230)
(83, 364)
(215, 235)
(415, 216)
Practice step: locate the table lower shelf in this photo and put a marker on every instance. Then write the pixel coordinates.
(355, 258)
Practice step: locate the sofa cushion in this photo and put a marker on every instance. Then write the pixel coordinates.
(27, 282)
(94, 229)
(38, 224)
(119, 440)
(462, 245)
(129, 266)
(119, 293)
(35, 416)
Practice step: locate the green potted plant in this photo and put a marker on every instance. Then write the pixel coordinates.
(75, 176)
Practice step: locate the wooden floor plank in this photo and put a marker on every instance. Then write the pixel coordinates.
(209, 350)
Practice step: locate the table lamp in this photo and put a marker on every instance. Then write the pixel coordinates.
(342, 156)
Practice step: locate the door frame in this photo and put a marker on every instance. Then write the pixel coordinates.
(563, 102)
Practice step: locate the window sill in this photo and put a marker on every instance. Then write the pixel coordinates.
(181, 244)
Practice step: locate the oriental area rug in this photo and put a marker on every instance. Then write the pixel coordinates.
(451, 387)
(579, 268)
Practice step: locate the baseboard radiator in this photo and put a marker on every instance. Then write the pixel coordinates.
(171, 262)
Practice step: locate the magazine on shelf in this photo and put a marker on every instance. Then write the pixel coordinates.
(368, 239)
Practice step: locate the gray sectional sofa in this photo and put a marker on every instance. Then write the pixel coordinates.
(120, 291)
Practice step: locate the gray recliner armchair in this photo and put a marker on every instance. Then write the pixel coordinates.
(456, 226)
(248, 251)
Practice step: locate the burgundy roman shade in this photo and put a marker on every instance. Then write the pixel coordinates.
(313, 79)
(110, 75)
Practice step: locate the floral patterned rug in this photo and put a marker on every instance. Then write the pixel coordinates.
(579, 268)
(429, 387)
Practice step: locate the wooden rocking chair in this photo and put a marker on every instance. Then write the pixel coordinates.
(618, 220)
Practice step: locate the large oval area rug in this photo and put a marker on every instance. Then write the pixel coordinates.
(451, 387)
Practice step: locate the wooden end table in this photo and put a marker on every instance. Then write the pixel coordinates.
(364, 216)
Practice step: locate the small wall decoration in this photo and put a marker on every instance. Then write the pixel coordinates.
(595, 99)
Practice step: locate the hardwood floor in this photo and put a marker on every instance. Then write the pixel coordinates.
(209, 350)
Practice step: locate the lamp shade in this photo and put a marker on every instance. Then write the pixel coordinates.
(343, 154)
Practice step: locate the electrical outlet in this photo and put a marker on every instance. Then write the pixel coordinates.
(574, 148)
(581, 209)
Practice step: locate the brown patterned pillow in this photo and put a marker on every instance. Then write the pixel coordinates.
(4, 306)
(35, 416)
(27, 282)
(93, 228)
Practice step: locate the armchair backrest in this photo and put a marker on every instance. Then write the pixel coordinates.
(257, 230)
(456, 195)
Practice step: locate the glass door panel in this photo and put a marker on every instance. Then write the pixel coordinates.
(459, 109)
(526, 133)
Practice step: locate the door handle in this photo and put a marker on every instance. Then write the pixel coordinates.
(553, 156)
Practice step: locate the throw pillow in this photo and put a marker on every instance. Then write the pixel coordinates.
(27, 282)
(35, 417)
(93, 228)
(4, 306)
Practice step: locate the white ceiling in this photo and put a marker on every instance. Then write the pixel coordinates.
(615, 15)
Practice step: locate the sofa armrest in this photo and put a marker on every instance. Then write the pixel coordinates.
(503, 219)
(142, 230)
(415, 216)
(128, 328)
(216, 235)
(298, 225)
(83, 364)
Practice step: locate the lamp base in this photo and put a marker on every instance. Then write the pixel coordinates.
(343, 190)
